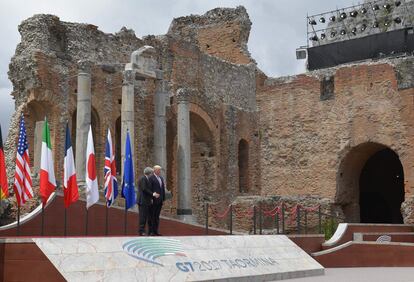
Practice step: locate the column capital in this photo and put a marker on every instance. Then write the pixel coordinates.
(183, 95)
(162, 86)
(84, 66)
(128, 77)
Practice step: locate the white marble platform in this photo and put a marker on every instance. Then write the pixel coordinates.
(192, 258)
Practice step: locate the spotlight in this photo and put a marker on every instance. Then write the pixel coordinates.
(363, 27)
(353, 14)
(386, 23)
(314, 38)
(343, 32)
(312, 22)
(397, 20)
(375, 7)
(323, 36)
(363, 11)
(354, 31)
(332, 18)
(322, 20)
(375, 25)
(397, 3)
(333, 34)
(387, 6)
(342, 15)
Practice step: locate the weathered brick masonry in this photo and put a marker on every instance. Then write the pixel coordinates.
(254, 139)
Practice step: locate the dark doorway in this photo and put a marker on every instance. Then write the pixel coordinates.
(381, 188)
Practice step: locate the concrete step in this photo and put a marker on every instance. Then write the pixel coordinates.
(367, 254)
(345, 232)
(407, 237)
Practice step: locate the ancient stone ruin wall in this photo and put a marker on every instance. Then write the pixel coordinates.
(222, 101)
(255, 140)
(222, 33)
(44, 76)
(310, 123)
(222, 109)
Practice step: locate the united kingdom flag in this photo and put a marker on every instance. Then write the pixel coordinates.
(111, 183)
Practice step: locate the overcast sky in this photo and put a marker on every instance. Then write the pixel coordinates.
(278, 27)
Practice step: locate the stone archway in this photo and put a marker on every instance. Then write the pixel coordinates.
(203, 160)
(98, 140)
(370, 184)
(36, 111)
(96, 129)
(203, 164)
(381, 188)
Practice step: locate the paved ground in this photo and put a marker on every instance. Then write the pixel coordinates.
(363, 274)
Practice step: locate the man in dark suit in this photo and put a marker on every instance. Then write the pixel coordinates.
(158, 188)
(145, 201)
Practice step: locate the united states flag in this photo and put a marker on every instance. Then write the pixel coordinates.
(111, 183)
(23, 180)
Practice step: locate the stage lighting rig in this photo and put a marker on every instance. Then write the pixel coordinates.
(363, 27)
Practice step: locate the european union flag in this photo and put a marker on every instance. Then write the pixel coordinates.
(128, 187)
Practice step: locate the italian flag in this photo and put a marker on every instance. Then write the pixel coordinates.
(47, 174)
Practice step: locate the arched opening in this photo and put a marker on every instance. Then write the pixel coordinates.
(203, 164)
(381, 188)
(95, 129)
(243, 163)
(370, 184)
(34, 116)
(97, 140)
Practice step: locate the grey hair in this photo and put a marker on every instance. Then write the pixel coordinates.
(148, 171)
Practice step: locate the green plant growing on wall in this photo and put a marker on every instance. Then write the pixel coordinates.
(329, 227)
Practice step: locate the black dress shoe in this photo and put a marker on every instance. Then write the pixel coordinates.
(142, 234)
(158, 234)
(151, 234)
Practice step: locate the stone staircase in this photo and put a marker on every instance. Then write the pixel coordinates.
(368, 245)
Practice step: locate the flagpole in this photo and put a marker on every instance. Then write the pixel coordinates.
(43, 219)
(18, 220)
(65, 223)
(126, 213)
(86, 222)
(106, 220)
